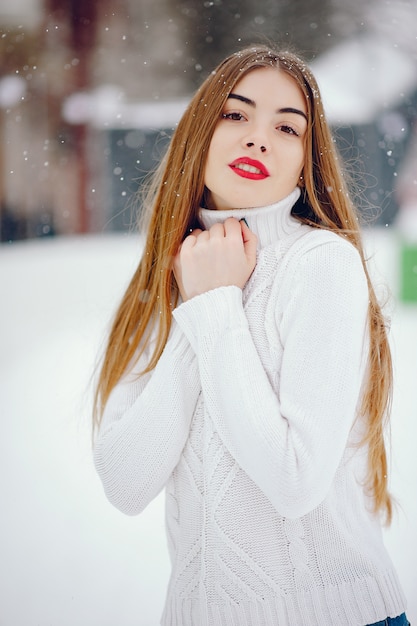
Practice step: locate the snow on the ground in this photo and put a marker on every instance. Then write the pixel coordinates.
(66, 555)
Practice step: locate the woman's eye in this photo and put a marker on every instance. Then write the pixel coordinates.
(288, 129)
(233, 115)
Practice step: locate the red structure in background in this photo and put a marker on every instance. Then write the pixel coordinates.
(78, 18)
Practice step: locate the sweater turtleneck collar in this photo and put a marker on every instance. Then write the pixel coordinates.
(269, 223)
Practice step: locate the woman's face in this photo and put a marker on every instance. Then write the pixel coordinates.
(257, 151)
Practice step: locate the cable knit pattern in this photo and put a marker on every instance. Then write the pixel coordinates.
(248, 420)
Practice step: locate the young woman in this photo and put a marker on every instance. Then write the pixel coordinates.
(248, 370)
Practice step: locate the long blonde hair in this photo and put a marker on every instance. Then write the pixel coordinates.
(173, 200)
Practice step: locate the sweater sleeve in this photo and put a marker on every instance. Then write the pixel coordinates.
(145, 425)
(289, 440)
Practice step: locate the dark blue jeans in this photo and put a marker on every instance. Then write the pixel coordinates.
(401, 620)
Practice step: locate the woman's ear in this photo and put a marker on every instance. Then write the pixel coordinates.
(301, 180)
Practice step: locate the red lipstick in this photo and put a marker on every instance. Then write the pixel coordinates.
(249, 168)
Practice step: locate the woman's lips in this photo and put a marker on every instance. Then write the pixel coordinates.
(249, 168)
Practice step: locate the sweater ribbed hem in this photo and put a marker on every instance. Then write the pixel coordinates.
(365, 601)
(210, 312)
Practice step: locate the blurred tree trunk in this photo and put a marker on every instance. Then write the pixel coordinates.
(78, 20)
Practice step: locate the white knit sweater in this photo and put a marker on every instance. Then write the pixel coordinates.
(248, 422)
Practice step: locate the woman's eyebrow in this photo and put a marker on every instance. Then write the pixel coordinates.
(292, 110)
(236, 96)
(252, 103)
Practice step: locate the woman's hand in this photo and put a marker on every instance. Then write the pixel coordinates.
(222, 256)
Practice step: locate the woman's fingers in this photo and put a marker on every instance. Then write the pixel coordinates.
(191, 239)
(221, 256)
(250, 242)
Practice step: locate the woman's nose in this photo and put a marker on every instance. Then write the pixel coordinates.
(250, 144)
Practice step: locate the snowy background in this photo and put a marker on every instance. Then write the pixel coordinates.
(66, 556)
